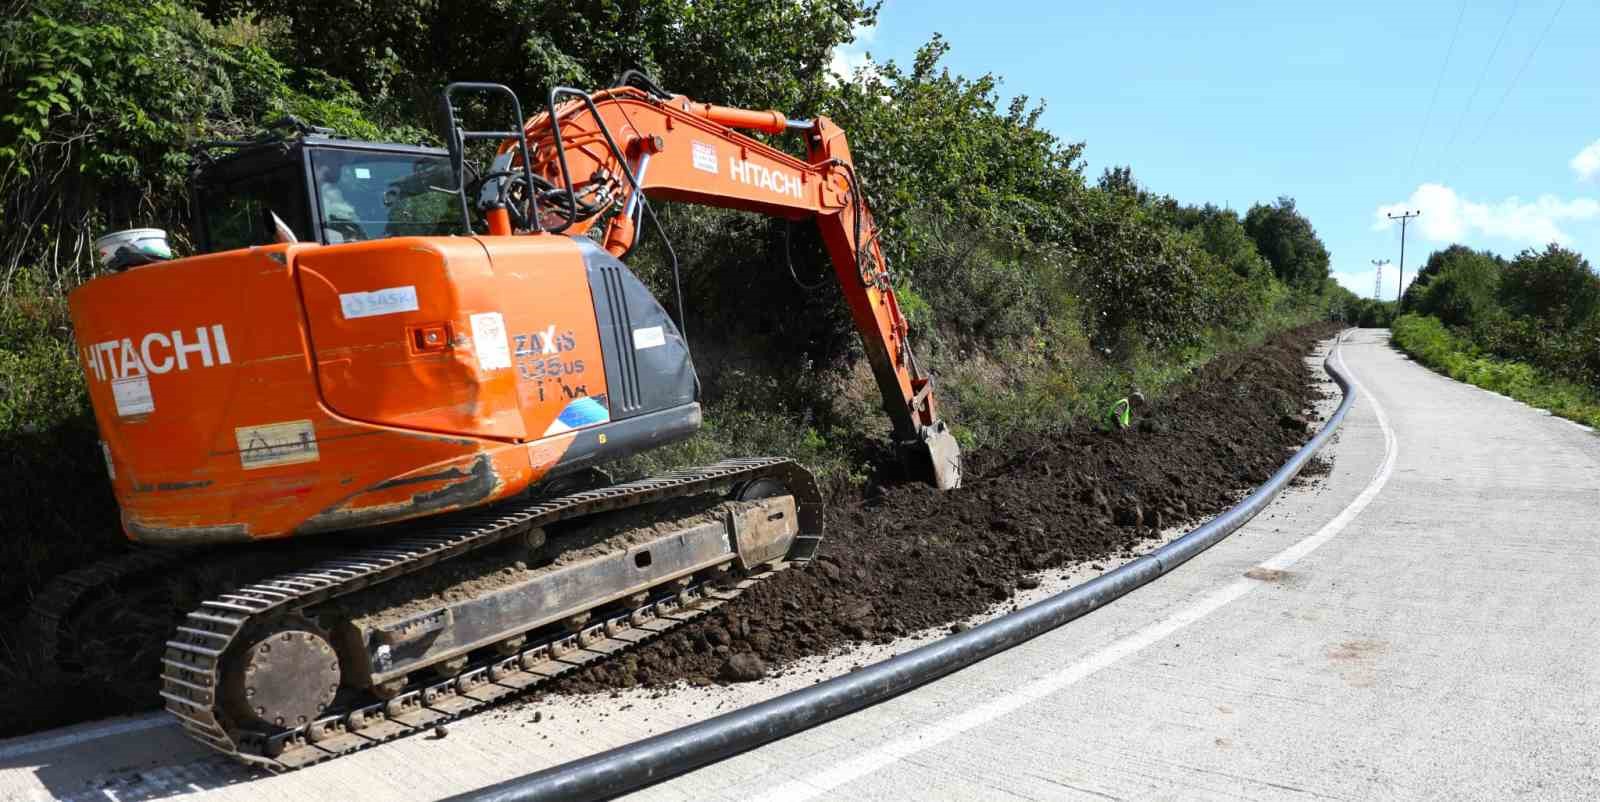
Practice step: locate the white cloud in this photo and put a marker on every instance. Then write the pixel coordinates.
(1448, 217)
(847, 58)
(1587, 162)
(1360, 282)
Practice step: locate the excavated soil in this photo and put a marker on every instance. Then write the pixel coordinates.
(911, 558)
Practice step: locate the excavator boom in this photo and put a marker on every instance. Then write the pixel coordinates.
(629, 142)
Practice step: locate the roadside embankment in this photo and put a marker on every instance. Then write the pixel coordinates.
(1427, 340)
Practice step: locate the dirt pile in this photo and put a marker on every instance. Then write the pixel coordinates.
(912, 558)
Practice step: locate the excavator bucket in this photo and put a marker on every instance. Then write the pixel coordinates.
(936, 458)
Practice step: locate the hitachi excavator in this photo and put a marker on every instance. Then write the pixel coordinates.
(422, 363)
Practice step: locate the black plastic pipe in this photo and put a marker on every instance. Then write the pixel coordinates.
(660, 757)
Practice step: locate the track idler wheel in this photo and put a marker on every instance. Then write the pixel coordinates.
(756, 489)
(284, 677)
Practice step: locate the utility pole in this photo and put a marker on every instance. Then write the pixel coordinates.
(1400, 288)
(1377, 283)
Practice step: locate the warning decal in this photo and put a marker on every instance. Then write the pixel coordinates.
(704, 155)
(489, 337)
(270, 444)
(648, 338)
(132, 396)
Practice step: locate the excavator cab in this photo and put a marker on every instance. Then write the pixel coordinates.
(322, 189)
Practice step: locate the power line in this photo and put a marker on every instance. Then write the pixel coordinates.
(1482, 75)
(1427, 119)
(1518, 76)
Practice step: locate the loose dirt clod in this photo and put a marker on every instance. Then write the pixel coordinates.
(743, 667)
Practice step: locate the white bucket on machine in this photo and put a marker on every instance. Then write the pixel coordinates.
(132, 247)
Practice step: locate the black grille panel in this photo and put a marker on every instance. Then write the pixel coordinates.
(626, 398)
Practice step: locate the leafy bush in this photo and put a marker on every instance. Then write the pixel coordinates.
(1456, 285)
(976, 200)
(55, 502)
(1287, 240)
(1138, 281)
(1429, 342)
(1555, 286)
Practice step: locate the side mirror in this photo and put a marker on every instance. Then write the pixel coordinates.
(281, 230)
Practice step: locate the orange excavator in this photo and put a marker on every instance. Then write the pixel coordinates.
(432, 359)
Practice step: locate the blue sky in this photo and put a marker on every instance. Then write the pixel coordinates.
(1351, 108)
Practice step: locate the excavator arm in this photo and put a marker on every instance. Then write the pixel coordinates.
(602, 152)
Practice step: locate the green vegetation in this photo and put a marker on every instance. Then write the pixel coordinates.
(1427, 340)
(1528, 327)
(1541, 307)
(1037, 297)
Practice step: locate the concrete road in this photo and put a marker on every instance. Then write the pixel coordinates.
(1422, 623)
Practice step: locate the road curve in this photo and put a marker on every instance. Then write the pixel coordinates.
(1420, 623)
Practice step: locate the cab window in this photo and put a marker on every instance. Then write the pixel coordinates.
(369, 195)
(238, 212)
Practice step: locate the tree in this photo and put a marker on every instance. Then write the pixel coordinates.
(99, 102)
(1119, 180)
(1372, 314)
(733, 52)
(1288, 242)
(1223, 235)
(1555, 286)
(1138, 280)
(1456, 285)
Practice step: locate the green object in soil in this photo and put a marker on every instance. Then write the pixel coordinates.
(1120, 413)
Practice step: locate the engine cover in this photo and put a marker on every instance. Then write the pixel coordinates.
(302, 388)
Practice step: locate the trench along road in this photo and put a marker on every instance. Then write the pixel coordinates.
(1422, 622)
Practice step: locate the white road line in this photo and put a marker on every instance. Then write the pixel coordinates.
(30, 745)
(941, 731)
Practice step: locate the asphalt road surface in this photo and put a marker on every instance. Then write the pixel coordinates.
(1421, 623)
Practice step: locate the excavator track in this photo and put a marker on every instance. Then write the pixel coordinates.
(55, 604)
(195, 663)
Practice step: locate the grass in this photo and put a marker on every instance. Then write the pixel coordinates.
(1429, 342)
(1041, 385)
(56, 508)
(1055, 380)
